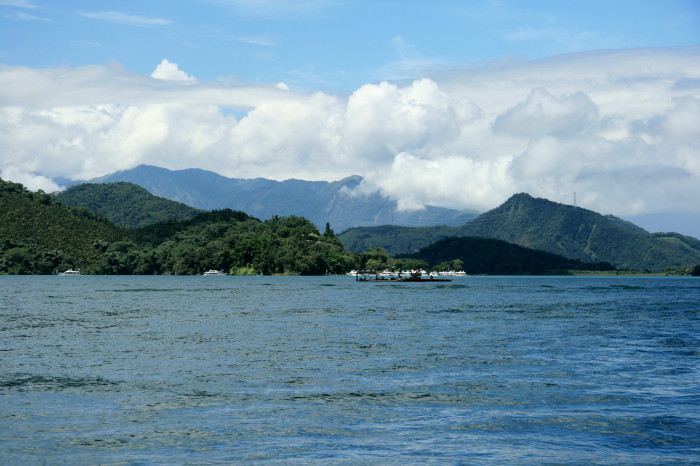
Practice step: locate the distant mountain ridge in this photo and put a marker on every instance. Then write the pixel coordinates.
(539, 224)
(544, 225)
(318, 201)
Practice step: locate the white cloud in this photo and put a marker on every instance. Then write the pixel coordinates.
(131, 20)
(171, 72)
(382, 120)
(543, 113)
(31, 181)
(618, 128)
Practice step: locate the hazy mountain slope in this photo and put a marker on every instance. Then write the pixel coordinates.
(126, 204)
(319, 201)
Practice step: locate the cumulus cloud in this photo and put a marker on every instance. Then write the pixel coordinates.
(542, 113)
(618, 128)
(171, 72)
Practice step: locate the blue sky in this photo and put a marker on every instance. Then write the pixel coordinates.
(329, 44)
(452, 103)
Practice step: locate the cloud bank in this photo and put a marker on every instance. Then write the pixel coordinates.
(618, 128)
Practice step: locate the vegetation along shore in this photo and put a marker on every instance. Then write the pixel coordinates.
(142, 234)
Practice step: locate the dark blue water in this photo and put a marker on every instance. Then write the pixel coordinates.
(484, 370)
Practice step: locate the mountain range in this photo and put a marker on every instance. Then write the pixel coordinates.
(538, 224)
(337, 203)
(41, 234)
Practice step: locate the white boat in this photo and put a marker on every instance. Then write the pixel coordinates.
(71, 272)
(213, 272)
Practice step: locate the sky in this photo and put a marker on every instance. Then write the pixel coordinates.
(458, 104)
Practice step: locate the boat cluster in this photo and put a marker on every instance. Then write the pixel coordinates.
(392, 274)
(402, 276)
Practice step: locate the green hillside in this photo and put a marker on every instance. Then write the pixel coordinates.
(39, 233)
(496, 257)
(234, 242)
(582, 234)
(540, 224)
(397, 240)
(126, 204)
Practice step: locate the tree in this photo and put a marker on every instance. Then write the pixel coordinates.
(16, 261)
(404, 263)
(377, 257)
(373, 264)
(696, 271)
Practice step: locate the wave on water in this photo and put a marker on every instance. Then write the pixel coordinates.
(627, 287)
(317, 370)
(452, 310)
(26, 382)
(166, 290)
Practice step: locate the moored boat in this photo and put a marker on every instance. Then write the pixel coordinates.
(71, 272)
(211, 272)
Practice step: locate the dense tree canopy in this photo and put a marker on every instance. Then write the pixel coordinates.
(496, 257)
(38, 234)
(126, 204)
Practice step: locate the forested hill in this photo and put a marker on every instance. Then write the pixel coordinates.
(582, 234)
(495, 257)
(544, 225)
(39, 235)
(126, 204)
(397, 240)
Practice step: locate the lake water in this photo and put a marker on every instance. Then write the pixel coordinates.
(318, 370)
